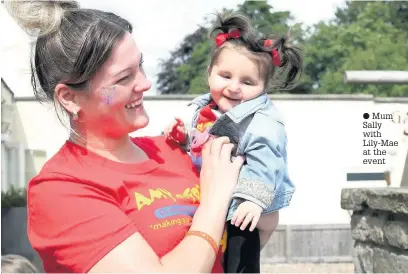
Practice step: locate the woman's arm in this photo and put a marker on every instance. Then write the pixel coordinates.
(192, 254)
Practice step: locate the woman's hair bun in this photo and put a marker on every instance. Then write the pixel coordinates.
(39, 17)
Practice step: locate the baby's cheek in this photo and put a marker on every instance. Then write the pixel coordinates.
(215, 92)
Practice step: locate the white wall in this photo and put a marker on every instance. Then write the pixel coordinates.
(325, 142)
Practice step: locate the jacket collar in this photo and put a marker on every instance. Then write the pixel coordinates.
(239, 112)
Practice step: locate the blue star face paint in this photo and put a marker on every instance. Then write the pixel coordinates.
(108, 93)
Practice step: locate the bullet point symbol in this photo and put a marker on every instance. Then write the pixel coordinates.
(366, 115)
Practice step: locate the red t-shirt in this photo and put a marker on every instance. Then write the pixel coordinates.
(82, 205)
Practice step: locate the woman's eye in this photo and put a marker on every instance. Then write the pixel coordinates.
(123, 79)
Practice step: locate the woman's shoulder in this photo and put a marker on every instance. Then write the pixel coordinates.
(71, 163)
(72, 171)
(60, 161)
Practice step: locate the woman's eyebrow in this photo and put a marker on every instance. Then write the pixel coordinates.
(123, 70)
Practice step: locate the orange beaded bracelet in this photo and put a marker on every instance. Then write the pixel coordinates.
(206, 237)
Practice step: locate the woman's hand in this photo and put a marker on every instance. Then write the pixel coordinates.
(219, 175)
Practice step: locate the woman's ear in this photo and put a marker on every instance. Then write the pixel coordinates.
(67, 98)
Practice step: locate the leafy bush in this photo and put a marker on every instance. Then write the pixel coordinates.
(14, 197)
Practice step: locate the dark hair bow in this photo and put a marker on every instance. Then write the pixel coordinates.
(275, 55)
(222, 37)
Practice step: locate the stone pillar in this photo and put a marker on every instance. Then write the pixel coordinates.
(379, 226)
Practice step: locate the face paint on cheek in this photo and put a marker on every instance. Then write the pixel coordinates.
(107, 94)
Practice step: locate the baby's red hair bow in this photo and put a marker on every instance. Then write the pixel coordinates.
(275, 55)
(222, 37)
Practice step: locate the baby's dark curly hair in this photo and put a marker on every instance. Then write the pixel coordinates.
(261, 52)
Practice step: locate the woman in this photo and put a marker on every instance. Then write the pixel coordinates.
(107, 202)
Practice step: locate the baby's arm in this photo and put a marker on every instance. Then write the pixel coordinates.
(176, 131)
(179, 129)
(265, 165)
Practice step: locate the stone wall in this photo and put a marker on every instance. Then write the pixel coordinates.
(379, 226)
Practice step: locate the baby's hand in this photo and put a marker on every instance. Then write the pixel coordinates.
(176, 131)
(247, 212)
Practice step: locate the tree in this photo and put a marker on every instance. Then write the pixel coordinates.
(363, 36)
(263, 19)
(392, 12)
(185, 70)
(173, 77)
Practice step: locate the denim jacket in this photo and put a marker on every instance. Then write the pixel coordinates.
(257, 128)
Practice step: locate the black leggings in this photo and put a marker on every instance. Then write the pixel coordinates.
(243, 251)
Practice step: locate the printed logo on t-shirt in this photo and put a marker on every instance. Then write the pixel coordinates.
(168, 215)
(173, 215)
(174, 210)
(192, 194)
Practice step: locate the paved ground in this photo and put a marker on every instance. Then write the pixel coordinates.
(308, 268)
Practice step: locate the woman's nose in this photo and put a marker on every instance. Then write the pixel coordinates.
(142, 84)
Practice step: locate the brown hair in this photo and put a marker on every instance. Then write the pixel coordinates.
(251, 43)
(72, 43)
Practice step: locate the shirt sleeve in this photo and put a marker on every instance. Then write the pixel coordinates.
(264, 150)
(72, 226)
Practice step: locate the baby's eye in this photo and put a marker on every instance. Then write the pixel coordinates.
(249, 83)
